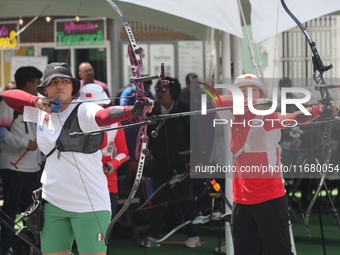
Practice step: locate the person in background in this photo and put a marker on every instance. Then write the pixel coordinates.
(285, 83)
(74, 188)
(260, 210)
(119, 93)
(86, 74)
(190, 80)
(126, 97)
(10, 85)
(173, 139)
(19, 156)
(113, 148)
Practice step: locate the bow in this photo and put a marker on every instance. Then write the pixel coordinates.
(202, 219)
(141, 150)
(23, 232)
(318, 69)
(171, 182)
(198, 220)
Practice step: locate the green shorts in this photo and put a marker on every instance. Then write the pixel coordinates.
(61, 227)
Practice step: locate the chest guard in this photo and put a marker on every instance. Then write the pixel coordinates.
(85, 143)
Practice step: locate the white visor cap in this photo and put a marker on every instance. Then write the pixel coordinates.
(250, 80)
(94, 93)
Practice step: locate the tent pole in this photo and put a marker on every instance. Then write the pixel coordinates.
(226, 73)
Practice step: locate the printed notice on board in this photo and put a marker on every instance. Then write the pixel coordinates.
(190, 59)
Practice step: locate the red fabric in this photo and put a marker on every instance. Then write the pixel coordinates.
(271, 121)
(103, 119)
(268, 186)
(120, 143)
(17, 99)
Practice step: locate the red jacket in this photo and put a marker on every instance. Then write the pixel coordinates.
(259, 151)
(115, 151)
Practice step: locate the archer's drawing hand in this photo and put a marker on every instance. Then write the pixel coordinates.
(44, 104)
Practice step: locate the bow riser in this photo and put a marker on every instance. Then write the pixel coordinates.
(136, 65)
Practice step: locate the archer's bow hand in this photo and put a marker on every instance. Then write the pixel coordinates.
(138, 107)
(329, 110)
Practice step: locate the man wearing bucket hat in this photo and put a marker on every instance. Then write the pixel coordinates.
(260, 210)
(75, 192)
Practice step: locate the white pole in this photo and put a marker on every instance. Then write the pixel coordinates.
(226, 73)
(237, 56)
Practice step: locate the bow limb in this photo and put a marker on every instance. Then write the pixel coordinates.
(153, 194)
(175, 179)
(171, 232)
(326, 152)
(198, 220)
(311, 204)
(131, 195)
(318, 69)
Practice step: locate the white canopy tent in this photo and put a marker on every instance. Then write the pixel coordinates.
(268, 18)
(194, 17)
(221, 15)
(199, 20)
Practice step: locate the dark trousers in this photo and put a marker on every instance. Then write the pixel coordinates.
(114, 201)
(18, 188)
(182, 190)
(267, 221)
